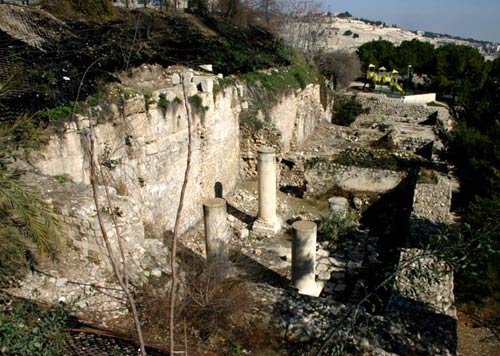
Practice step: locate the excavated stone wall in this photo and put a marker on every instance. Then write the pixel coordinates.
(146, 151)
(144, 148)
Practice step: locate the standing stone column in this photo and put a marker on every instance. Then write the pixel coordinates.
(216, 232)
(267, 220)
(304, 258)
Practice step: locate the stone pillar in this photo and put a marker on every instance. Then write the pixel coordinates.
(267, 220)
(216, 231)
(304, 258)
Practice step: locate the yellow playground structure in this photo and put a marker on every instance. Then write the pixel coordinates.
(381, 76)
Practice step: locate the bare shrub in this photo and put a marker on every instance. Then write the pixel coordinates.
(212, 303)
(340, 67)
(213, 307)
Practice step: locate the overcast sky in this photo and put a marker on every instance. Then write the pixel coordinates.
(478, 19)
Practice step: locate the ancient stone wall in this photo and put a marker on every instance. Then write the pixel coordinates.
(295, 116)
(396, 110)
(143, 146)
(293, 120)
(424, 283)
(146, 150)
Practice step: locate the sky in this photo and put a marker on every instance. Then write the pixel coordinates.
(478, 19)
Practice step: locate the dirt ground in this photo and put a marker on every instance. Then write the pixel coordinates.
(478, 333)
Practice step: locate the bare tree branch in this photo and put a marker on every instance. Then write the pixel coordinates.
(121, 279)
(173, 252)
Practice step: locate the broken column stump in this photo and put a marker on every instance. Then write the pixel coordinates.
(216, 234)
(304, 258)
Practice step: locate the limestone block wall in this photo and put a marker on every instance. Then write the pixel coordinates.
(420, 98)
(296, 116)
(146, 152)
(145, 146)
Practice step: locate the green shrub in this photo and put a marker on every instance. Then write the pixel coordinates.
(148, 101)
(346, 110)
(333, 228)
(163, 103)
(60, 114)
(196, 104)
(251, 122)
(26, 330)
(297, 76)
(95, 99)
(24, 133)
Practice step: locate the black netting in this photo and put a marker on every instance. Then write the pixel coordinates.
(87, 344)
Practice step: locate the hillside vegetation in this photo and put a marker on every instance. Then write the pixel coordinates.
(97, 46)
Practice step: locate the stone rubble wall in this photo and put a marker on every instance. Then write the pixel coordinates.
(396, 110)
(424, 283)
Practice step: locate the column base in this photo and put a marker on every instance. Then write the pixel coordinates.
(313, 290)
(267, 227)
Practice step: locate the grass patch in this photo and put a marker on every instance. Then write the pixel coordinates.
(427, 176)
(297, 76)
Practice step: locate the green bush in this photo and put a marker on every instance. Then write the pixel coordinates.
(148, 101)
(58, 115)
(297, 76)
(346, 110)
(26, 330)
(333, 228)
(251, 122)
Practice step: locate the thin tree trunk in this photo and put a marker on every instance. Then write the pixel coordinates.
(122, 281)
(173, 252)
